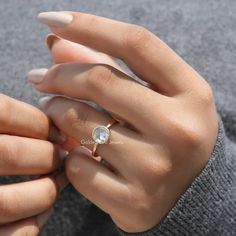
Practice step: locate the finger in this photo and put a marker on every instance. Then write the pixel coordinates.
(29, 227)
(26, 156)
(77, 120)
(23, 200)
(150, 58)
(21, 119)
(56, 136)
(102, 84)
(95, 182)
(64, 51)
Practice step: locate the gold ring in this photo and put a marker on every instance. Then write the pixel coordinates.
(101, 135)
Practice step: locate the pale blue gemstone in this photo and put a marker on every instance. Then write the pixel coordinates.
(101, 134)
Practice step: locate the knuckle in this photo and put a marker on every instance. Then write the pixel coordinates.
(76, 117)
(136, 37)
(206, 95)
(188, 135)
(99, 77)
(203, 95)
(141, 203)
(141, 210)
(157, 169)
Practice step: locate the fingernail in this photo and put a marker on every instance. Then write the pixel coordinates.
(63, 154)
(55, 19)
(43, 101)
(44, 217)
(62, 181)
(51, 38)
(36, 76)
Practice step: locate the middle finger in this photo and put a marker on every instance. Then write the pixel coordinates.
(106, 86)
(77, 120)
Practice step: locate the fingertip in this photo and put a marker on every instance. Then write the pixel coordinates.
(74, 163)
(36, 76)
(43, 101)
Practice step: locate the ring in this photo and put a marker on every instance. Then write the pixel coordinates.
(101, 135)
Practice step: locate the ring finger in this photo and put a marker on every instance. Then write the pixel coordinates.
(77, 120)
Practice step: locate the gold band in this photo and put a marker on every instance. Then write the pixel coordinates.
(95, 146)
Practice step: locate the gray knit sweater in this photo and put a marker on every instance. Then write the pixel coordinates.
(204, 33)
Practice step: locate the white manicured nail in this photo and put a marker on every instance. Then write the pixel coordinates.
(36, 76)
(43, 101)
(55, 19)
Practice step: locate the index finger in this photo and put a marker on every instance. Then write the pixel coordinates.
(21, 119)
(150, 58)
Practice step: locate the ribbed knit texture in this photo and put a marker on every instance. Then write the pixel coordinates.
(208, 207)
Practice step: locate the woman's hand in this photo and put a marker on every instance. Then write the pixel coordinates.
(170, 126)
(26, 206)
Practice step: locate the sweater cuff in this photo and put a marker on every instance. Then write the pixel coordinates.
(199, 208)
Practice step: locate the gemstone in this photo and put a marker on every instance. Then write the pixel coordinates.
(101, 134)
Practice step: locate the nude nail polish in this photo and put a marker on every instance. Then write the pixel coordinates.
(50, 40)
(43, 101)
(36, 76)
(55, 19)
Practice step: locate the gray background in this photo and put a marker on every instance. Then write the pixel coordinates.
(203, 32)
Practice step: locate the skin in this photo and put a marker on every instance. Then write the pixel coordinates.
(24, 150)
(169, 127)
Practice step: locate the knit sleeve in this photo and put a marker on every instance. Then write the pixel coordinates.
(208, 207)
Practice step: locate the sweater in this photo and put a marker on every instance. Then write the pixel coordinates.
(203, 33)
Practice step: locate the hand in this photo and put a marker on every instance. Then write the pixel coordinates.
(170, 126)
(26, 206)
